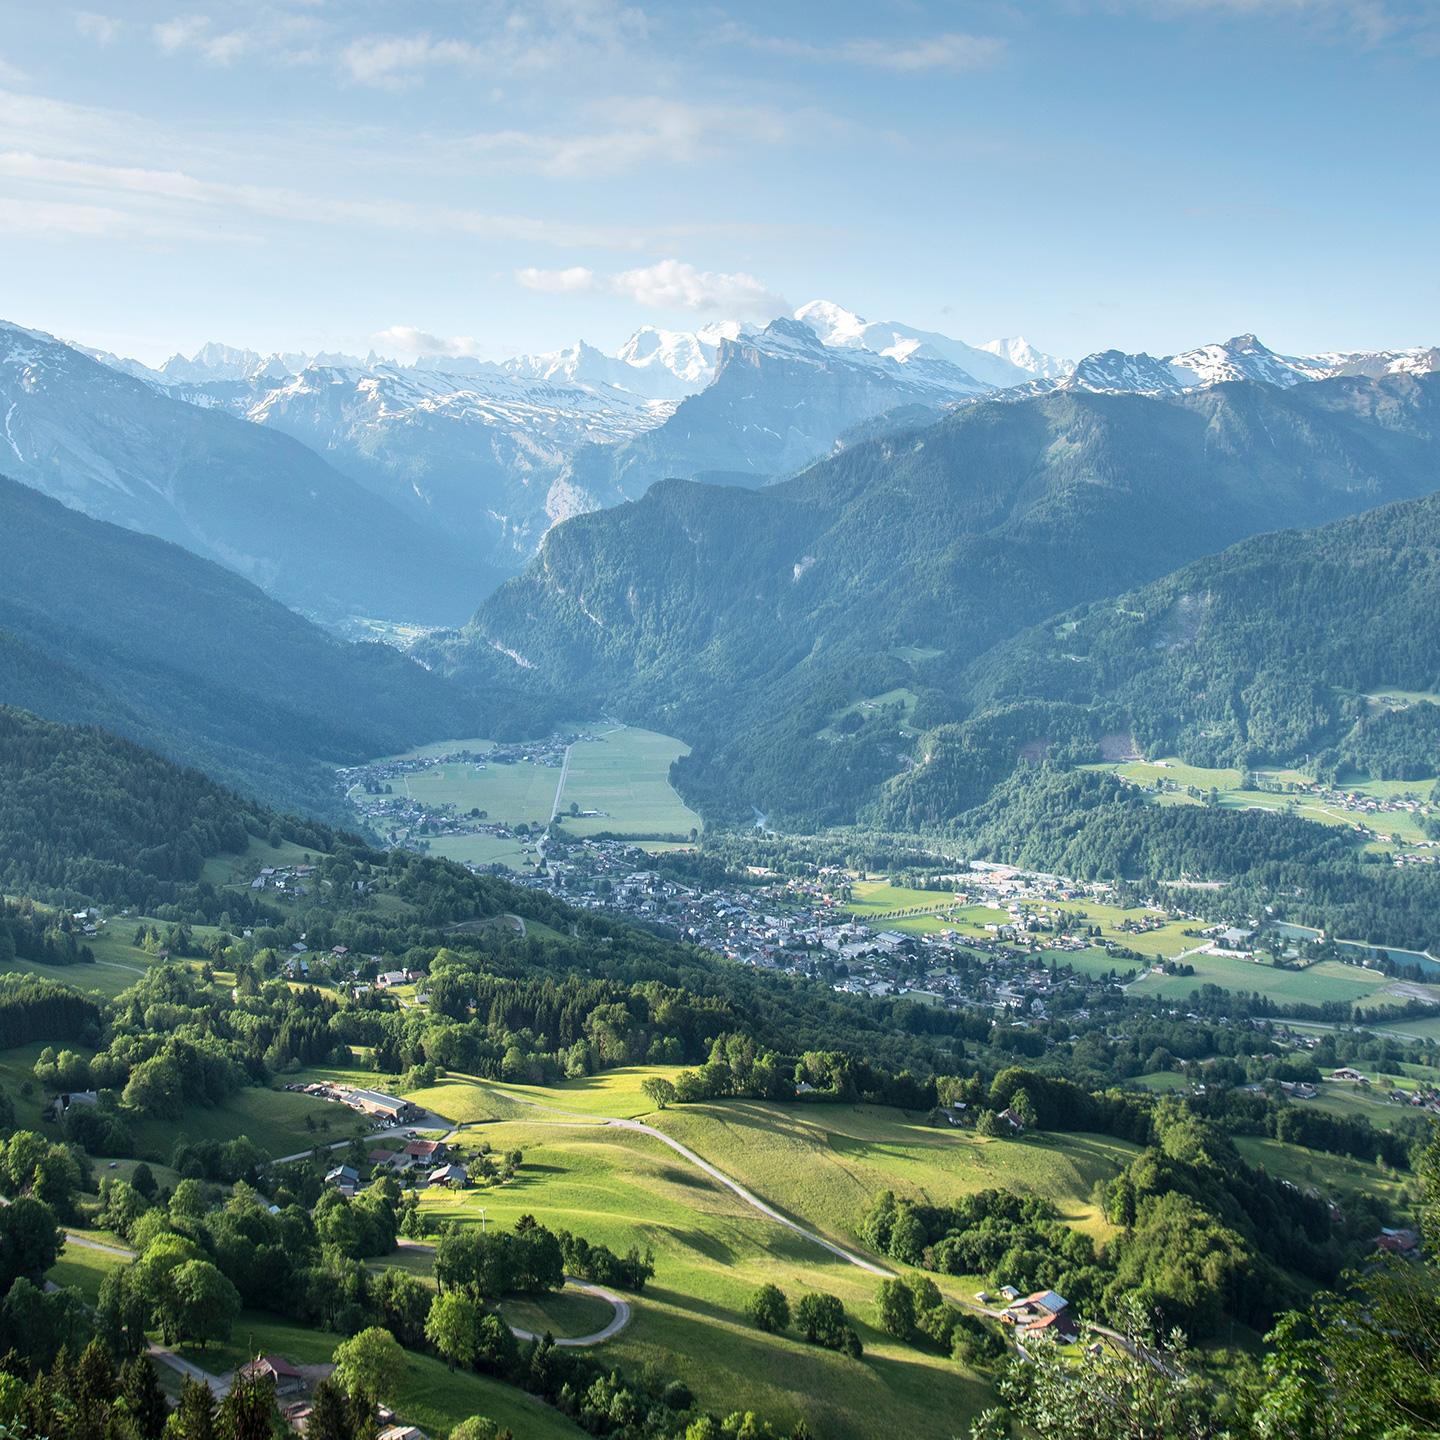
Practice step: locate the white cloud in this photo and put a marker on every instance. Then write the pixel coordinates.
(395, 61)
(102, 29)
(953, 50)
(633, 133)
(407, 340)
(577, 280)
(1413, 24)
(666, 285)
(194, 34)
(155, 193)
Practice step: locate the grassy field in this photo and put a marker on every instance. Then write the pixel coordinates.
(615, 1094)
(430, 1395)
(241, 869)
(563, 1315)
(625, 1188)
(1328, 980)
(866, 708)
(1336, 1177)
(626, 773)
(1094, 962)
(273, 1119)
(931, 911)
(1227, 783)
(84, 1269)
(825, 1163)
(508, 793)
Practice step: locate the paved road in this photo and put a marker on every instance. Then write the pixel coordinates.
(87, 1244)
(618, 1321)
(428, 1121)
(753, 1200)
(219, 1387)
(718, 1175)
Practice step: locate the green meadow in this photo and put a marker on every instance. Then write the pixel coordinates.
(1327, 980)
(623, 1188)
(625, 773)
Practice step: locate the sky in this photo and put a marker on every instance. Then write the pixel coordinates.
(487, 177)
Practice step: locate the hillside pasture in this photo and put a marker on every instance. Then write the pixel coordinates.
(622, 1188)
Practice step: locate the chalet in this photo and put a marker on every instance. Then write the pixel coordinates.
(63, 1102)
(421, 1151)
(388, 978)
(402, 1432)
(383, 1159)
(1011, 1119)
(1345, 1072)
(1043, 1313)
(1397, 1242)
(285, 1377)
(452, 1175)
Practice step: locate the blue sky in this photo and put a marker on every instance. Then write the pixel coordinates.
(494, 176)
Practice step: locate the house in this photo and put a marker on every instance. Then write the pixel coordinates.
(388, 978)
(1011, 1119)
(423, 1151)
(383, 1159)
(63, 1102)
(1043, 1313)
(452, 1175)
(345, 1178)
(1397, 1242)
(402, 1432)
(286, 1378)
(1346, 1073)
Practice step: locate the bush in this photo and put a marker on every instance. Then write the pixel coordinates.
(768, 1309)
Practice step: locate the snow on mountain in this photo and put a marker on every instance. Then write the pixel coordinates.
(1021, 352)
(1374, 364)
(127, 450)
(1242, 358)
(844, 329)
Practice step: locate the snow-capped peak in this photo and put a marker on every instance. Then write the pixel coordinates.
(1019, 351)
(840, 328)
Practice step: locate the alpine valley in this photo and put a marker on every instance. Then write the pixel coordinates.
(792, 880)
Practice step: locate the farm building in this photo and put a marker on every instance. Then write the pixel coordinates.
(287, 1379)
(382, 1106)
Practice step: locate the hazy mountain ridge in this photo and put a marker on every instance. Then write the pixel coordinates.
(101, 625)
(270, 509)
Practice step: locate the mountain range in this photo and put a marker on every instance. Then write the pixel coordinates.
(414, 489)
(746, 621)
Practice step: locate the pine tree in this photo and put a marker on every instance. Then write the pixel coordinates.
(194, 1417)
(143, 1397)
(331, 1415)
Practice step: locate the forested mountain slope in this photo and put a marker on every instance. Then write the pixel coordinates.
(1262, 654)
(262, 504)
(101, 625)
(86, 816)
(747, 621)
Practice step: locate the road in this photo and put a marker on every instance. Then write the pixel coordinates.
(560, 784)
(721, 1178)
(618, 1321)
(753, 1200)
